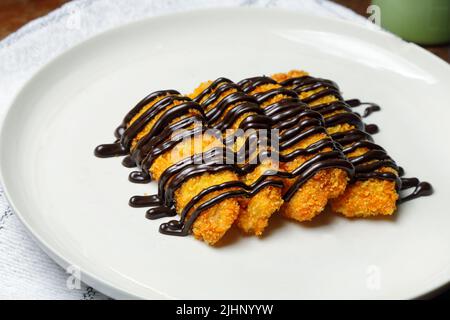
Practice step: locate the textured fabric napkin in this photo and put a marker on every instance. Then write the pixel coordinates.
(26, 272)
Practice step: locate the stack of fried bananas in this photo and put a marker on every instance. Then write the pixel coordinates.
(229, 110)
(374, 189)
(313, 195)
(154, 120)
(323, 155)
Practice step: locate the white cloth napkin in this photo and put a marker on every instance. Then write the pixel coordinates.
(26, 272)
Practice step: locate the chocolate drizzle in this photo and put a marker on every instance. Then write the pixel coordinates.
(295, 122)
(171, 112)
(368, 165)
(139, 177)
(118, 148)
(370, 106)
(110, 150)
(164, 119)
(142, 201)
(339, 112)
(128, 162)
(421, 188)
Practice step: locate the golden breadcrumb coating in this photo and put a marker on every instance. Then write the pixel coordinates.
(255, 211)
(151, 123)
(146, 107)
(279, 77)
(367, 198)
(183, 150)
(201, 87)
(213, 223)
(336, 183)
(311, 198)
(361, 198)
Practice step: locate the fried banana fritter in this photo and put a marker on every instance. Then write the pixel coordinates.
(312, 197)
(365, 196)
(224, 96)
(213, 222)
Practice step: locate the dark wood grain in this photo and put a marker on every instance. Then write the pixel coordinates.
(15, 13)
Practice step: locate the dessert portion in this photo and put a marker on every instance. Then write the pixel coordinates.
(306, 150)
(377, 181)
(160, 136)
(238, 153)
(244, 127)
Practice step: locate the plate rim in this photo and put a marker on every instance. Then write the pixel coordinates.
(96, 280)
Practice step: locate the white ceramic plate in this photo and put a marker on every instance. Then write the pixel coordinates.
(75, 204)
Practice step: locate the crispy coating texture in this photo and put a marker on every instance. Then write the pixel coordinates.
(213, 223)
(256, 211)
(151, 123)
(311, 198)
(182, 150)
(201, 87)
(361, 198)
(367, 198)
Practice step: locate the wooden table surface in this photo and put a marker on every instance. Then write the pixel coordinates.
(16, 13)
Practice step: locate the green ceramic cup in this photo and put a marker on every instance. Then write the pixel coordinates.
(421, 21)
